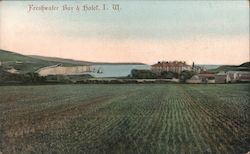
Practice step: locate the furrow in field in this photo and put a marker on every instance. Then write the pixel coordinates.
(221, 130)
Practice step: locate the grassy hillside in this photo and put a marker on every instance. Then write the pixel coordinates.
(242, 67)
(26, 64)
(78, 62)
(61, 60)
(20, 62)
(247, 64)
(6, 56)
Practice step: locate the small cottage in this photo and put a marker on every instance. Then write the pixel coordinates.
(238, 76)
(221, 77)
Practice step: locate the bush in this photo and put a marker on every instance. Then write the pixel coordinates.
(168, 75)
(33, 77)
(186, 75)
(143, 74)
(6, 77)
(58, 79)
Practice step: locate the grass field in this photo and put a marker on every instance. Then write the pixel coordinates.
(146, 118)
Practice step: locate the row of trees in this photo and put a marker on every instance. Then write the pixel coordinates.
(21, 78)
(148, 74)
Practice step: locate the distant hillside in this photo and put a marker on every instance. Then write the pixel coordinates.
(78, 62)
(12, 56)
(24, 63)
(242, 67)
(208, 66)
(61, 60)
(247, 64)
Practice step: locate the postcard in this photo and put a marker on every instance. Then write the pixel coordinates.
(117, 76)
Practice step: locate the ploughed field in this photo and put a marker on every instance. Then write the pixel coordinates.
(128, 118)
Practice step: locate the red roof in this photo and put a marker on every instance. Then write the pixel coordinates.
(170, 64)
(206, 75)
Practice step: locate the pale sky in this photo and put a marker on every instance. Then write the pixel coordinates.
(206, 32)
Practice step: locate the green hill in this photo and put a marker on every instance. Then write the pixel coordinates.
(78, 62)
(31, 63)
(243, 67)
(61, 60)
(247, 64)
(25, 64)
(7, 56)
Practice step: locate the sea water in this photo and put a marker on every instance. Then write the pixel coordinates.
(115, 70)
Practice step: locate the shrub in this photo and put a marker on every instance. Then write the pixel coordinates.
(169, 75)
(143, 74)
(186, 75)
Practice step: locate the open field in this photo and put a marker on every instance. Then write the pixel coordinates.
(129, 118)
